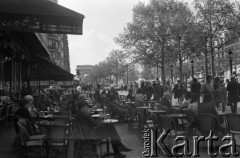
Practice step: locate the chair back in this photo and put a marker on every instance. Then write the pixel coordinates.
(58, 133)
(206, 122)
(156, 121)
(24, 136)
(131, 111)
(233, 122)
(76, 130)
(165, 122)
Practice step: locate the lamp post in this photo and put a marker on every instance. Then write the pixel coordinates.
(230, 60)
(171, 66)
(192, 62)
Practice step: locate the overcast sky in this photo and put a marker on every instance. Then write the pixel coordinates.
(104, 20)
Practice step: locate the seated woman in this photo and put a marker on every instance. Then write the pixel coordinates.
(186, 102)
(193, 107)
(209, 106)
(23, 111)
(130, 96)
(139, 98)
(114, 106)
(165, 102)
(92, 129)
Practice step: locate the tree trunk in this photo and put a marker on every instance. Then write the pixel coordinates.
(180, 67)
(212, 57)
(206, 58)
(163, 66)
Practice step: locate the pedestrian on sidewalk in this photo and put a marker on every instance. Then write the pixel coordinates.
(207, 87)
(220, 94)
(233, 94)
(196, 88)
(178, 91)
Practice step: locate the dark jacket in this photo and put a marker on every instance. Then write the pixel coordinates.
(233, 92)
(149, 92)
(178, 91)
(196, 88)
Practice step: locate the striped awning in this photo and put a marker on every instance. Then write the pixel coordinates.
(41, 16)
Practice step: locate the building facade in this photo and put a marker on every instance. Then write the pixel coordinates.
(57, 45)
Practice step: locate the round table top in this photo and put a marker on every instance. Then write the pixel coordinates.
(130, 102)
(157, 111)
(97, 110)
(49, 123)
(144, 107)
(176, 115)
(98, 115)
(109, 121)
(223, 113)
(151, 101)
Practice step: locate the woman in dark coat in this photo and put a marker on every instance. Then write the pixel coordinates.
(178, 91)
(233, 94)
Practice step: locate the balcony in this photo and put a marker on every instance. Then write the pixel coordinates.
(56, 49)
(53, 36)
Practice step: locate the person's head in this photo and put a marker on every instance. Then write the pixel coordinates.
(112, 89)
(83, 108)
(166, 96)
(25, 84)
(209, 79)
(194, 80)
(217, 80)
(188, 95)
(233, 79)
(130, 91)
(168, 83)
(207, 97)
(178, 81)
(194, 98)
(27, 101)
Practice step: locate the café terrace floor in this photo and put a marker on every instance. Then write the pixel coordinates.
(130, 140)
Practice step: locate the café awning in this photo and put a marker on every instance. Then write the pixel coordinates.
(33, 43)
(47, 70)
(41, 16)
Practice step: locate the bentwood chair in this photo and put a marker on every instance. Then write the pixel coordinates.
(26, 143)
(58, 137)
(233, 125)
(132, 118)
(207, 122)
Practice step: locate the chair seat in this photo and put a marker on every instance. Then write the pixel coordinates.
(59, 144)
(234, 132)
(34, 143)
(37, 137)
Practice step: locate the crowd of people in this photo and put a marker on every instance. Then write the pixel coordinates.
(211, 97)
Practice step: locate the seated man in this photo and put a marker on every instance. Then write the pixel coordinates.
(186, 102)
(23, 111)
(94, 130)
(209, 106)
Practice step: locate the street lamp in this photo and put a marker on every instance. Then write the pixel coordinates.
(230, 60)
(171, 66)
(192, 62)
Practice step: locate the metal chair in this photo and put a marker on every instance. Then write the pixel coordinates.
(26, 143)
(233, 125)
(58, 137)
